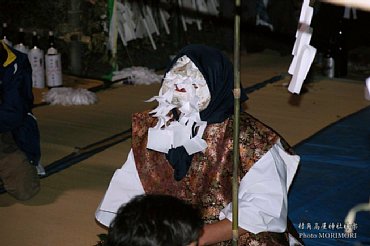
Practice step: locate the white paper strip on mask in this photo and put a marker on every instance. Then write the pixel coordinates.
(164, 106)
(196, 144)
(305, 59)
(159, 140)
(181, 133)
(178, 133)
(158, 112)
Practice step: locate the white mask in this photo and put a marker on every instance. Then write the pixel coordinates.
(186, 76)
(185, 88)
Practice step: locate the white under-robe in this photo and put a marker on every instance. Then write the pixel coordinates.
(262, 192)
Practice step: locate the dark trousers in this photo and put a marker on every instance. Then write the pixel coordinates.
(17, 175)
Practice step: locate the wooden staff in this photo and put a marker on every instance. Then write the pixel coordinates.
(236, 123)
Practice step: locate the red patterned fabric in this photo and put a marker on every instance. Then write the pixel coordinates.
(208, 183)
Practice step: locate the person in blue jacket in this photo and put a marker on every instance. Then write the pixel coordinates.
(19, 134)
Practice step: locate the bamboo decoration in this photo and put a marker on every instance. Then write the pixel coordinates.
(235, 179)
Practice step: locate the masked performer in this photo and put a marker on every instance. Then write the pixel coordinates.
(19, 133)
(184, 148)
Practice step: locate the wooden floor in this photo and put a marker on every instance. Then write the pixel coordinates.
(63, 212)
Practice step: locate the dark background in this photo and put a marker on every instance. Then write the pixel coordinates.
(45, 15)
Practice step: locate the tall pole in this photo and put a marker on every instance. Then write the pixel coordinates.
(236, 123)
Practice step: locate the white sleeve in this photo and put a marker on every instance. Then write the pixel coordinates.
(262, 195)
(124, 185)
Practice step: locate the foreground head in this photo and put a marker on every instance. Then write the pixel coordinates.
(155, 220)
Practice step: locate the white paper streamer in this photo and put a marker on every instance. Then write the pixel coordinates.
(303, 53)
(304, 61)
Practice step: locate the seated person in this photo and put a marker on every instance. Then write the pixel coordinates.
(184, 148)
(19, 134)
(155, 220)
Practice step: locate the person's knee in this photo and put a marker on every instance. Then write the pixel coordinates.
(25, 195)
(25, 190)
(19, 177)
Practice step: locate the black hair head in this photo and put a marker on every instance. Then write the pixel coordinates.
(155, 220)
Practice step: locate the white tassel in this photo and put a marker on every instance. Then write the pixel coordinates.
(69, 96)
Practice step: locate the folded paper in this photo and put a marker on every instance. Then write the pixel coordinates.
(304, 61)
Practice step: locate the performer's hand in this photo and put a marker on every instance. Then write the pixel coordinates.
(218, 232)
